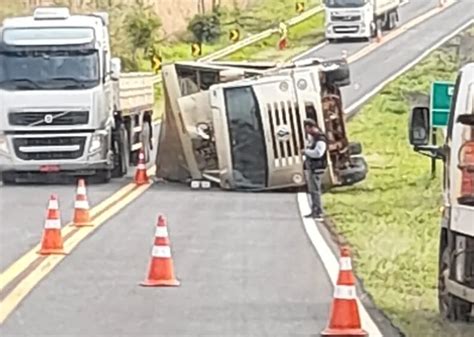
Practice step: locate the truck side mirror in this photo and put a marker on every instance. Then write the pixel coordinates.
(419, 126)
(116, 68)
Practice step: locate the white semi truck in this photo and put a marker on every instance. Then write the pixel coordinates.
(359, 19)
(65, 107)
(456, 244)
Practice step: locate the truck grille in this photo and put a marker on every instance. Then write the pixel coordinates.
(48, 118)
(287, 134)
(52, 148)
(346, 18)
(346, 29)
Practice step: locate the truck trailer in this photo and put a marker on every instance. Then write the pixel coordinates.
(456, 242)
(239, 125)
(65, 107)
(359, 19)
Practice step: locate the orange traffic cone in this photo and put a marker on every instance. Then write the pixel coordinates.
(81, 206)
(379, 35)
(161, 269)
(282, 43)
(141, 176)
(52, 241)
(344, 319)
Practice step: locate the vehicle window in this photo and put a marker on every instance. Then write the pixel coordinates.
(249, 159)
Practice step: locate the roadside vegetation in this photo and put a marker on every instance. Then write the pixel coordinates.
(392, 219)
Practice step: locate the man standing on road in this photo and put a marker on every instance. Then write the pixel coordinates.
(315, 165)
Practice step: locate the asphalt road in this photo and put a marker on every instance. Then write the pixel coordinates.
(22, 207)
(246, 265)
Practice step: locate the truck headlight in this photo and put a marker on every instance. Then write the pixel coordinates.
(3, 144)
(97, 141)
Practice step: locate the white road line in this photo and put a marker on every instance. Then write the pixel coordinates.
(410, 65)
(328, 259)
(325, 43)
(331, 263)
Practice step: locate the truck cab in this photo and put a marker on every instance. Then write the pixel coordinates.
(65, 107)
(456, 250)
(359, 19)
(240, 125)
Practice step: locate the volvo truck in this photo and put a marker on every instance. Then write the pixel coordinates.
(456, 242)
(239, 125)
(359, 19)
(65, 107)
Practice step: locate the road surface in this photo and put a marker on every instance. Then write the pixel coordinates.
(246, 265)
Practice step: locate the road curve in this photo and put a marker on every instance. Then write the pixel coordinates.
(246, 265)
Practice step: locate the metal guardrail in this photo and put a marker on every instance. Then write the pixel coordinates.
(253, 38)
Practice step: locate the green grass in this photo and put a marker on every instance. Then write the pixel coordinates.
(267, 14)
(392, 219)
(300, 38)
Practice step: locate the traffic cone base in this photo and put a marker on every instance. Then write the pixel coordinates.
(52, 252)
(344, 333)
(160, 283)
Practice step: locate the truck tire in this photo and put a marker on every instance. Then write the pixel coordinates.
(341, 76)
(356, 173)
(122, 154)
(391, 21)
(355, 148)
(145, 139)
(101, 177)
(451, 307)
(8, 178)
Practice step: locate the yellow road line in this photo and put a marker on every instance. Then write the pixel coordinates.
(21, 264)
(27, 284)
(397, 32)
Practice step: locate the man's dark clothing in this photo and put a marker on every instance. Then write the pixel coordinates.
(315, 166)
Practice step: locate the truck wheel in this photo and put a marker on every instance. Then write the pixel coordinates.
(121, 153)
(145, 139)
(356, 173)
(8, 179)
(101, 177)
(451, 307)
(340, 76)
(355, 148)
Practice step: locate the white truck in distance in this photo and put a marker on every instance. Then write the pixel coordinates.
(65, 108)
(359, 19)
(456, 243)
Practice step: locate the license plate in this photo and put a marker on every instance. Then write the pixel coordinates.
(49, 168)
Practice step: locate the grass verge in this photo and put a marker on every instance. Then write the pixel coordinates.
(265, 15)
(392, 219)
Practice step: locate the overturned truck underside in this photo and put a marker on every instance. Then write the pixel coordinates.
(240, 125)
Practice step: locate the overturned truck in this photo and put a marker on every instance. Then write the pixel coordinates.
(240, 125)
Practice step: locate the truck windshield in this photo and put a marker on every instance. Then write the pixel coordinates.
(345, 3)
(49, 70)
(249, 159)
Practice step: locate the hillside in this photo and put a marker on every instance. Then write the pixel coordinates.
(174, 14)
